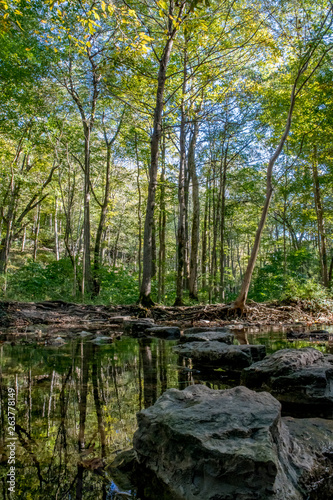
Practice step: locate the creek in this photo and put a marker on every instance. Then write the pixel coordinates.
(76, 405)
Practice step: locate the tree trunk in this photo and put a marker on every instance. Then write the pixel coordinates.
(145, 291)
(104, 205)
(139, 207)
(56, 235)
(153, 250)
(162, 231)
(37, 226)
(320, 222)
(204, 240)
(193, 281)
(187, 235)
(24, 239)
(239, 303)
(101, 224)
(222, 254)
(87, 280)
(181, 208)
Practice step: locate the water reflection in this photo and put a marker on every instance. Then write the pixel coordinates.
(76, 409)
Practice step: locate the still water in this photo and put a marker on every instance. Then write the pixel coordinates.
(75, 409)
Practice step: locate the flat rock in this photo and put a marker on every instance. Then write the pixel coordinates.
(230, 445)
(101, 340)
(57, 341)
(164, 332)
(219, 336)
(302, 379)
(218, 354)
(309, 335)
(120, 319)
(200, 329)
(136, 327)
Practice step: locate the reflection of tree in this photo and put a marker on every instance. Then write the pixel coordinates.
(81, 402)
(84, 376)
(98, 406)
(26, 442)
(163, 365)
(2, 404)
(85, 356)
(148, 356)
(185, 377)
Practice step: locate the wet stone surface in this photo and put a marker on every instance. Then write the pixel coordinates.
(218, 336)
(218, 354)
(210, 444)
(302, 379)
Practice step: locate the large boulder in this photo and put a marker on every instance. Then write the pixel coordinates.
(229, 445)
(218, 354)
(302, 379)
(219, 336)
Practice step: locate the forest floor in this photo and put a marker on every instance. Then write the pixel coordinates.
(58, 316)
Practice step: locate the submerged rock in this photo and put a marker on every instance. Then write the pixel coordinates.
(302, 379)
(200, 329)
(164, 332)
(218, 354)
(232, 444)
(57, 341)
(101, 340)
(136, 327)
(219, 336)
(309, 335)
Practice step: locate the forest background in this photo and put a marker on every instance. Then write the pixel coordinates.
(171, 151)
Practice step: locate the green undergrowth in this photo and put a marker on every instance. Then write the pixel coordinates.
(281, 280)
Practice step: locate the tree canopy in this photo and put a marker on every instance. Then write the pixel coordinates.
(166, 151)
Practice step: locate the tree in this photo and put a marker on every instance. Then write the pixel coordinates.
(309, 60)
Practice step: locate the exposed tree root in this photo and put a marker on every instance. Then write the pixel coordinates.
(65, 314)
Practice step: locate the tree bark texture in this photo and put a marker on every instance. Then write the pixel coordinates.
(193, 280)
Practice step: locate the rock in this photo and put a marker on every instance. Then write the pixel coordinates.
(164, 332)
(218, 354)
(302, 379)
(219, 336)
(101, 340)
(120, 319)
(315, 435)
(319, 331)
(58, 341)
(83, 333)
(314, 334)
(229, 445)
(136, 327)
(200, 329)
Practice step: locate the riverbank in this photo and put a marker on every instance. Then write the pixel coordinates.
(59, 314)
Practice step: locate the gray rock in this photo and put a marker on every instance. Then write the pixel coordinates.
(164, 332)
(315, 437)
(219, 354)
(136, 327)
(302, 379)
(58, 341)
(101, 340)
(85, 334)
(229, 445)
(200, 329)
(219, 336)
(119, 319)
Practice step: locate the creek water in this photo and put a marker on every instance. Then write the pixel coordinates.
(75, 409)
